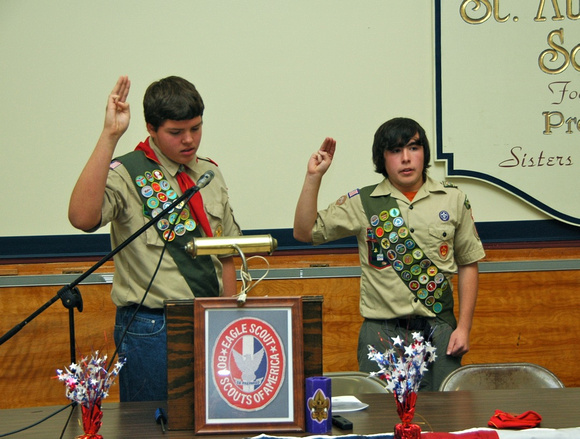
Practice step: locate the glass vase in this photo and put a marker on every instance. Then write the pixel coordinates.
(92, 416)
(406, 411)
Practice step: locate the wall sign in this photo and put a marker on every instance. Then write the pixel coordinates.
(508, 97)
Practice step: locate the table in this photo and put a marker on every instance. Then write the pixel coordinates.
(436, 411)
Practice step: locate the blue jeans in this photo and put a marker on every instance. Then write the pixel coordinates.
(144, 375)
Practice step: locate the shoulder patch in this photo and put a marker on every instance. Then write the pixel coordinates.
(114, 164)
(353, 193)
(467, 204)
(446, 183)
(207, 159)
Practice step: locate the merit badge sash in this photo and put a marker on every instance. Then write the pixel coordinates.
(390, 243)
(177, 228)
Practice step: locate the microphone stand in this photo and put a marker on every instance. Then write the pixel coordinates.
(70, 294)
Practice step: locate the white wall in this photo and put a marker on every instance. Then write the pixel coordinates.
(276, 77)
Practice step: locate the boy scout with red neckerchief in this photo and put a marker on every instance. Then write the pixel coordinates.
(128, 192)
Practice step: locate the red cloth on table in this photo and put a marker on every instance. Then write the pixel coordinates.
(527, 419)
(483, 434)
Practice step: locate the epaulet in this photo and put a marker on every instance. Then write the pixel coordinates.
(446, 183)
(207, 159)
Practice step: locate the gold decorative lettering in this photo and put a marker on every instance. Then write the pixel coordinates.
(549, 124)
(540, 14)
(476, 6)
(489, 9)
(496, 13)
(569, 12)
(556, 49)
(555, 119)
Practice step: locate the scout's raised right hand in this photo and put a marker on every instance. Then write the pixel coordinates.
(118, 114)
(321, 160)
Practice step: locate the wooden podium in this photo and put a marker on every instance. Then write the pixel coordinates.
(180, 355)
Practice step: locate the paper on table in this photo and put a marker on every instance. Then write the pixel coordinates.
(347, 403)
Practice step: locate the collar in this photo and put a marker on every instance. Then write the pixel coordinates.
(385, 188)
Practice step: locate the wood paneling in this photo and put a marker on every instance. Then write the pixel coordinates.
(520, 316)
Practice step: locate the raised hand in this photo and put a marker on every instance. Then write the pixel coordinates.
(306, 208)
(118, 114)
(321, 160)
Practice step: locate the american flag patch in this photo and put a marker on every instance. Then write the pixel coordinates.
(353, 193)
(114, 164)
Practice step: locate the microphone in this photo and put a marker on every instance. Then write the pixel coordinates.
(161, 418)
(230, 245)
(205, 179)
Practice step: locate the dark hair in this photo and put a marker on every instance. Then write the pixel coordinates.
(396, 133)
(171, 98)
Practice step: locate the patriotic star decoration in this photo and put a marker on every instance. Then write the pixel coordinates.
(89, 381)
(402, 366)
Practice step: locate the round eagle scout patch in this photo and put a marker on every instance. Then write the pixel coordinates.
(248, 364)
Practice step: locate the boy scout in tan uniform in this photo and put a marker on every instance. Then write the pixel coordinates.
(413, 234)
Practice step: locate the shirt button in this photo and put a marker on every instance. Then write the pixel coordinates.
(412, 230)
(411, 207)
(444, 234)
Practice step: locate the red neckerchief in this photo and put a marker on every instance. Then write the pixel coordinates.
(185, 182)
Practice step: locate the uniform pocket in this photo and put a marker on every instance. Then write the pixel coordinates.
(215, 210)
(442, 240)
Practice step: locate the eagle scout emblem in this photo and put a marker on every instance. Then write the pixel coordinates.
(248, 364)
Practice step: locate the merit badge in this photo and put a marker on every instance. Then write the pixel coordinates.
(398, 221)
(180, 230)
(189, 224)
(140, 181)
(147, 191)
(152, 202)
(248, 364)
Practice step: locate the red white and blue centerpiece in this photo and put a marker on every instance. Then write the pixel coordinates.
(402, 367)
(88, 383)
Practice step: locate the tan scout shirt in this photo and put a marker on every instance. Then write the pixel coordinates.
(439, 219)
(135, 264)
